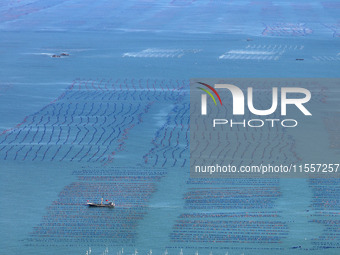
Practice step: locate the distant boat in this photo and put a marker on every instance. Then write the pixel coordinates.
(101, 204)
(61, 55)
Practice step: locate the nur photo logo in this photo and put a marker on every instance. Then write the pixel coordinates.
(204, 97)
(281, 99)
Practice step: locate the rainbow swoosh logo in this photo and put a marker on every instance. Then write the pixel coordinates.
(209, 93)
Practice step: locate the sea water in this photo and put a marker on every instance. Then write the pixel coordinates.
(43, 195)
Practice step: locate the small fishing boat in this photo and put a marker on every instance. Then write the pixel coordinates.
(101, 204)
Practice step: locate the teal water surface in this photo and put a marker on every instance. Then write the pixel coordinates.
(112, 119)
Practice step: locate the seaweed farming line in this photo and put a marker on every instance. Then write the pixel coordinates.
(70, 222)
(178, 251)
(326, 203)
(89, 122)
(80, 119)
(286, 29)
(260, 52)
(255, 222)
(160, 17)
(160, 53)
